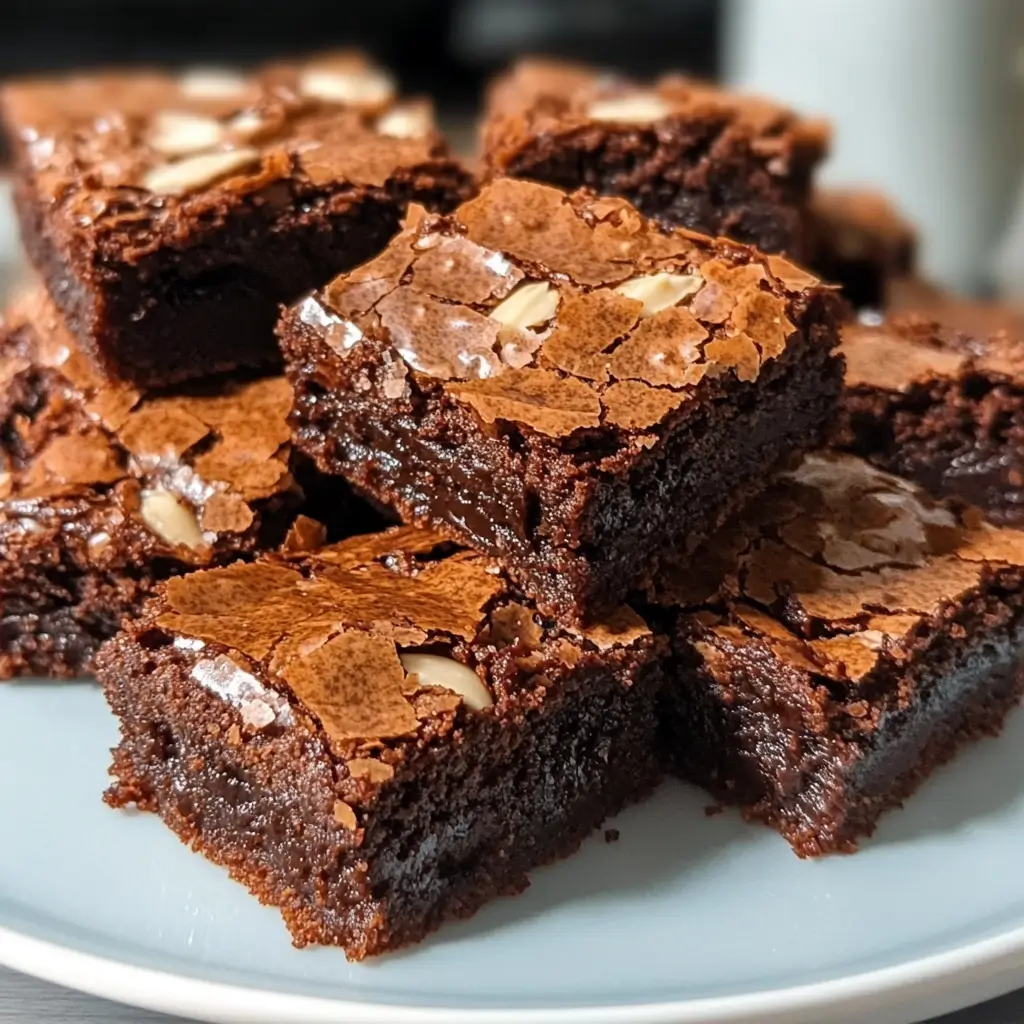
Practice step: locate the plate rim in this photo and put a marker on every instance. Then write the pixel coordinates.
(926, 986)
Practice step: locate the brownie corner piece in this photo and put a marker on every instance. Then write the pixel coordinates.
(140, 193)
(682, 151)
(939, 406)
(560, 383)
(839, 645)
(390, 700)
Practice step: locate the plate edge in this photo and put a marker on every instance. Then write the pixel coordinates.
(940, 983)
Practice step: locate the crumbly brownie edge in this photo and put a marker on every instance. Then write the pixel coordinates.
(832, 791)
(618, 536)
(454, 829)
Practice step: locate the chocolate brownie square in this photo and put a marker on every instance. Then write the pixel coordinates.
(376, 736)
(170, 215)
(861, 242)
(556, 381)
(105, 490)
(844, 638)
(940, 407)
(683, 151)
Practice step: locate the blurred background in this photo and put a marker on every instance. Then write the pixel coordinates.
(926, 96)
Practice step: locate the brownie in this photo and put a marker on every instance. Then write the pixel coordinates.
(843, 639)
(557, 382)
(913, 295)
(940, 407)
(379, 735)
(683, 151)
(861, 242)
(105, 490)
(169, 215)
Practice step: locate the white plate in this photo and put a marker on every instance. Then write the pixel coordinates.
(686, 918)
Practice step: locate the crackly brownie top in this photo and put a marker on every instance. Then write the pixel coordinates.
(372, 636)
(539, 97)
(857, 223)
(192, 468)
(562, 313)
(118, 147)
(910, 350)
(838, 566)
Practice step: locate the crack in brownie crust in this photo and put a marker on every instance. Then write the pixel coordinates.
(841, 641)
(559, 383)
(681, 151)
(366, 790)
(942, 408)
(140, 194)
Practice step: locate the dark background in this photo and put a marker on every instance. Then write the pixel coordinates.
(445, 47)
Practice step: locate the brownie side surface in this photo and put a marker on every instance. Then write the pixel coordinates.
(838, 647)
(262, 759)
(644, 386)
(940, 407)
(140, 197)
(682, 151)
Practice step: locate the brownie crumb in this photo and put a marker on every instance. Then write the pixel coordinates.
(611, 835)
(713, 810)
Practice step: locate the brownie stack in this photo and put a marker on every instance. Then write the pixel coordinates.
(646, 528)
